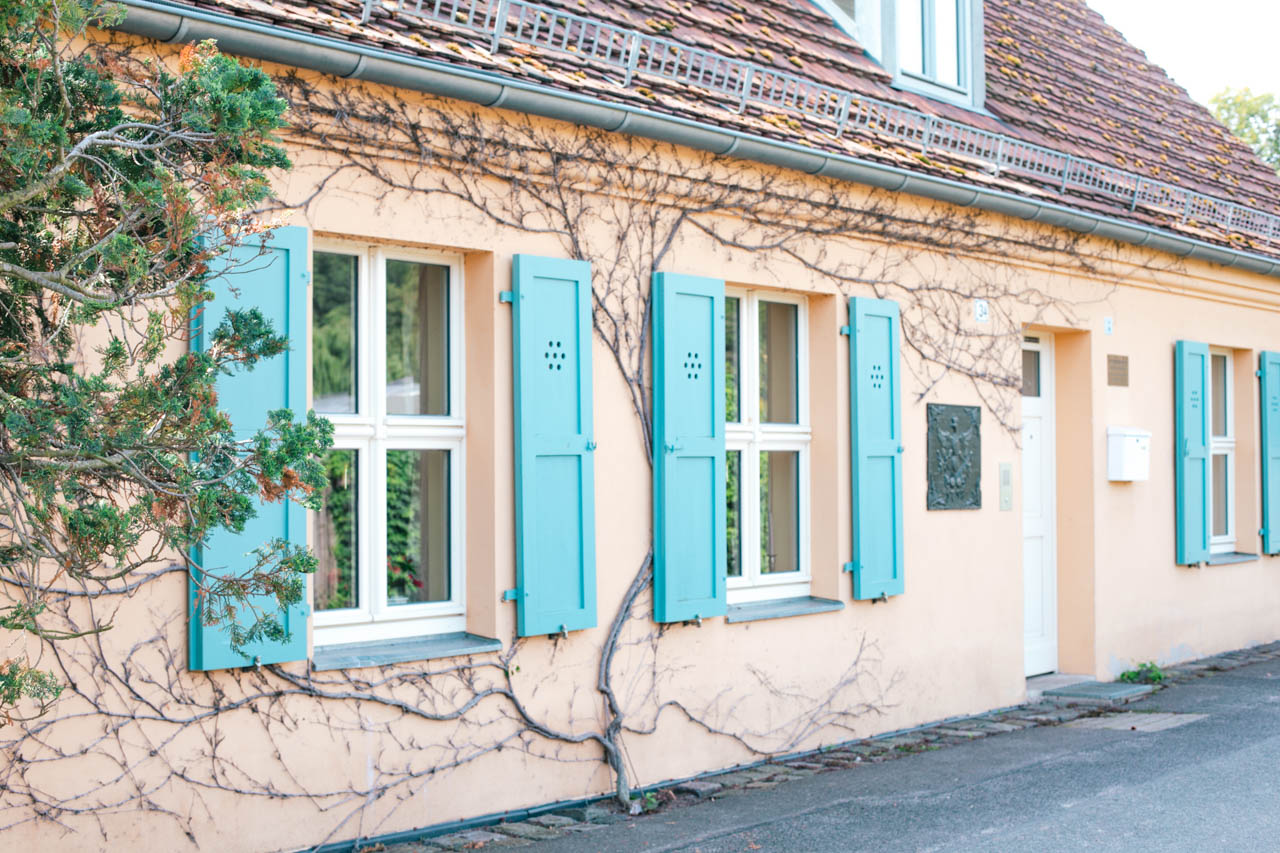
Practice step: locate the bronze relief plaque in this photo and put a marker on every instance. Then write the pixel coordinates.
(955, 457)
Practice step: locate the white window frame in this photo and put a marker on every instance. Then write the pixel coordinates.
(874, 26)
(372, 433)
(750, 437)
(1224, 445)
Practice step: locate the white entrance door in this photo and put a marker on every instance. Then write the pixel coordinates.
(1039, 519)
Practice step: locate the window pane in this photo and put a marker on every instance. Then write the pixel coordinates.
(335, 545)
(731, 387)
(417, 526)
(1221, 502)
(333, 334)
(1030, 373)
(417, 338)
(1221, 376)
(733, 515)
(910, 25)
(779, 511)
(947, 39)
(778, 363)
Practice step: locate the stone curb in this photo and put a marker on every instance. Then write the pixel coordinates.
(840, 757)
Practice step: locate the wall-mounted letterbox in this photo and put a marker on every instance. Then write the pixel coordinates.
(1128, 454)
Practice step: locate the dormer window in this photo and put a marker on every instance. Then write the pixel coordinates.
(934, 40)
(933, 47)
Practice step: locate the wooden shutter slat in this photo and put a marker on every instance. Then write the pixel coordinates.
(555, 479)
(875, 391)
(1269, 383)
(273, 278)
(689, 448)
(1191, 383)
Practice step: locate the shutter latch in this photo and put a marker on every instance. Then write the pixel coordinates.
(591, 445)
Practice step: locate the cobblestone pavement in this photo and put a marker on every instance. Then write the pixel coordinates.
(568, 822)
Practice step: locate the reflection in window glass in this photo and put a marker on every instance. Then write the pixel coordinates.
(417, 338)
(779, 511)
(1220, 373)
(1030, 373)
(733, 515)
(333, 335)
(947, 42)
(417, 526)
(1221, 509)
(779, 374)
(910, 25)
(334, 586)
(732, 307)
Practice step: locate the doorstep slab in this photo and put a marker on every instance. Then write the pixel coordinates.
(1107, 693)
(1038, 684)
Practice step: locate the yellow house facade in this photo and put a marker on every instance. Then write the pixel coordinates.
(675, 434)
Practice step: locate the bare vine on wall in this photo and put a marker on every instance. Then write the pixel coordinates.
(173, 738)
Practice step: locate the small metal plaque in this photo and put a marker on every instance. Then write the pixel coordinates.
(1118, 370)
(955, 457)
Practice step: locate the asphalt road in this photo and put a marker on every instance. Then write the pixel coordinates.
(1212, 784)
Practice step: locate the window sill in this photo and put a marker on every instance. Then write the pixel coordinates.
(780, 608)
(383, 652)
(1229, 557)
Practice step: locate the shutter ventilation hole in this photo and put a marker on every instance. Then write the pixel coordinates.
(877, 376)
(692, 365)
(554, 358)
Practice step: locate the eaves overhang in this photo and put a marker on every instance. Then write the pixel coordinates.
(172, 22)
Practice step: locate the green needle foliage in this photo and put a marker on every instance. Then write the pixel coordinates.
(120, 180)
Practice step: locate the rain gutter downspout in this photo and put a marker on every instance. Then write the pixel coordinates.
(172, 22)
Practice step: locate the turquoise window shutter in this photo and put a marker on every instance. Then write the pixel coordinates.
(275, 282)
(689, 569)
(1270, 383)
(875, 428)
(1191, 382)
(555, 475)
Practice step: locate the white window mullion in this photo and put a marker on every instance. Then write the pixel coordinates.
(373, 433)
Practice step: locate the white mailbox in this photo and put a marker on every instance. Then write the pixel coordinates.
(1128, 454)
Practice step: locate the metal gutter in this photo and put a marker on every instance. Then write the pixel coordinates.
(172, 22)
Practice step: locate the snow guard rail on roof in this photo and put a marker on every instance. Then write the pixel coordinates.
(632, 52)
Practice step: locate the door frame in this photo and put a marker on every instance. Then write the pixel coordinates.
(1044, 344)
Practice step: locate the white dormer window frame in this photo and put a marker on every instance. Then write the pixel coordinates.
(877, 25)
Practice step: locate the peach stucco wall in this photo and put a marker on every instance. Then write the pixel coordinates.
(951, 645)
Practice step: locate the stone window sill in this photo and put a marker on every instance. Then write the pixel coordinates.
(781, 608)
(384, 652)
(1229, 557)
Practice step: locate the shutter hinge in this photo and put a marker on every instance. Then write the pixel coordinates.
(1262, 532)
(846, 331)
(882, 598)
(511, 595)
(848, 567)
(507, 296)
(1257, 373)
